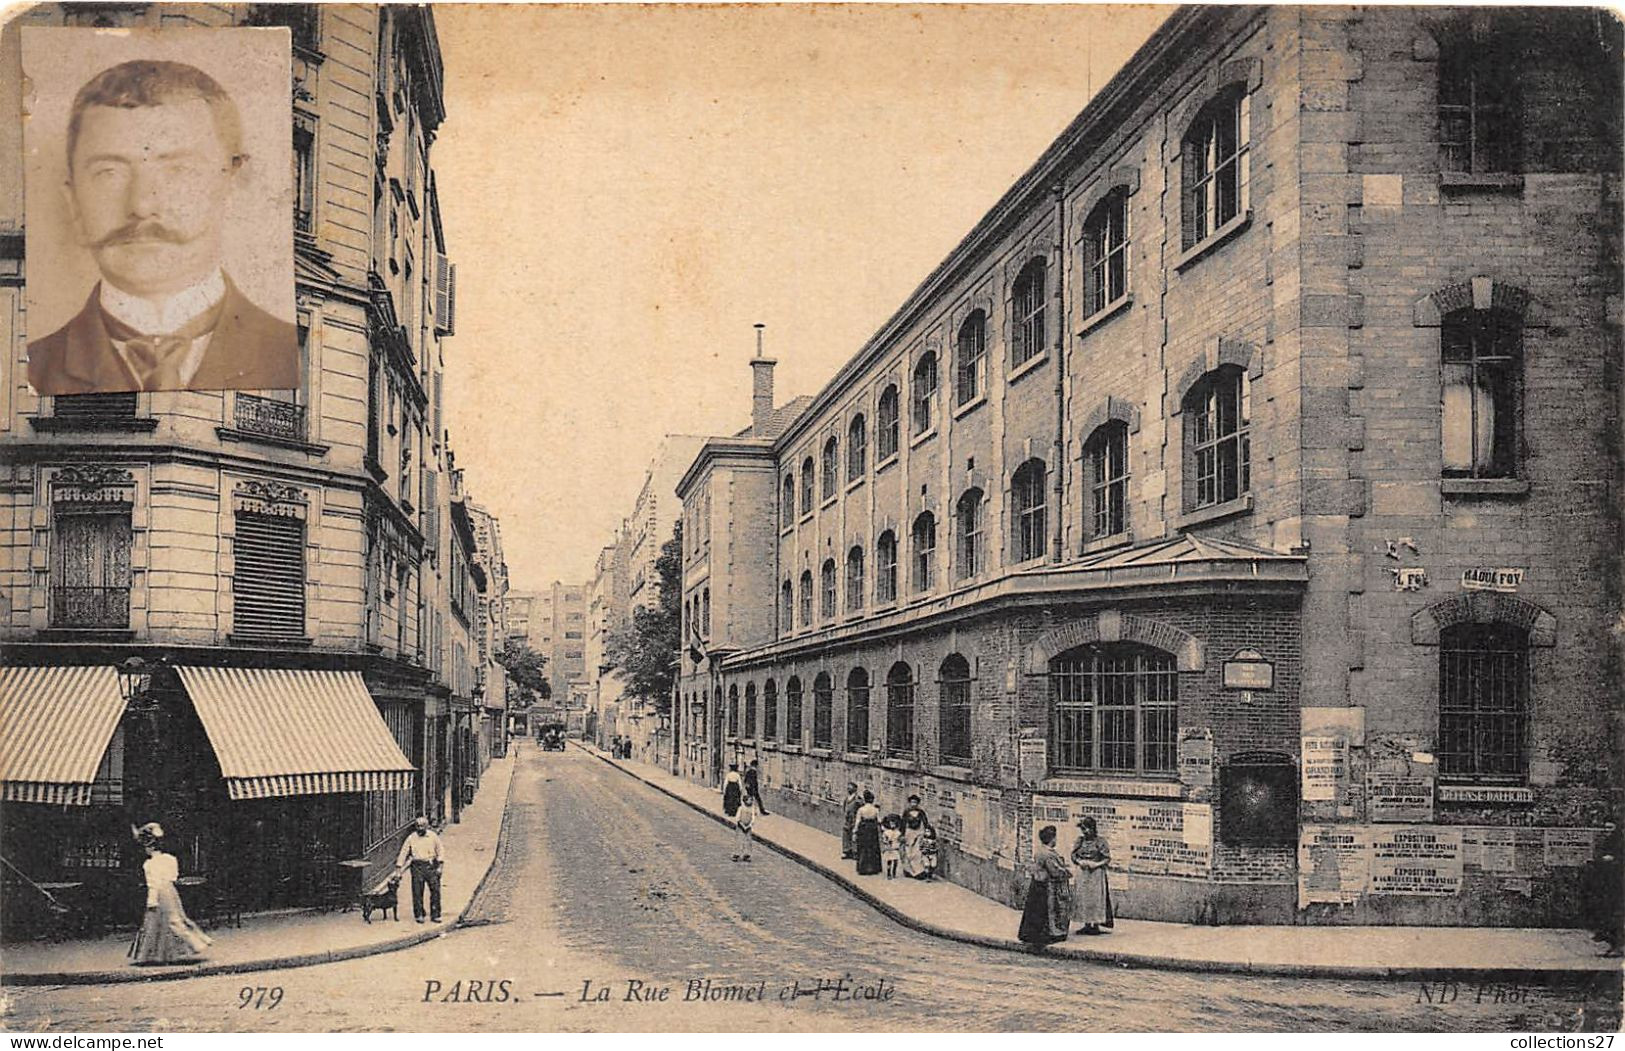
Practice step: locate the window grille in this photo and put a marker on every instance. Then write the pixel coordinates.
(857, 710)
(954, 690)
(792, 711)
(1113, 707)
(1483, 701)
(900, 711)
(823, 734)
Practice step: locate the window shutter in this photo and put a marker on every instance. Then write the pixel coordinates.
(268, 586)
(445, 296)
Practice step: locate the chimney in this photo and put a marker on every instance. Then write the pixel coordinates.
(761, 388)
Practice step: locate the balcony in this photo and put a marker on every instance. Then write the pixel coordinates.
(86, 607)
(269, 421)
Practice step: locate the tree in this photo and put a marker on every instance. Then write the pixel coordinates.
(526, 669)
(645, 651)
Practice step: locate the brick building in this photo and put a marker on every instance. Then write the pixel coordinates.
(1246, 479)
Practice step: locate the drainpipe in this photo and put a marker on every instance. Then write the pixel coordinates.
(1061, 322)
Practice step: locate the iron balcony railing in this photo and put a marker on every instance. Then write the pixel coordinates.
(270, 417)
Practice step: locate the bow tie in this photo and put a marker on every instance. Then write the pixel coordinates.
(157, 360)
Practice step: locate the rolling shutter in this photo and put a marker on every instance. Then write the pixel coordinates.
(269, 584)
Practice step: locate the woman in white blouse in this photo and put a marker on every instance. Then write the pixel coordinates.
(167, 934)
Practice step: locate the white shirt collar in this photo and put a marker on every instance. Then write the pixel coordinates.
(161, 317)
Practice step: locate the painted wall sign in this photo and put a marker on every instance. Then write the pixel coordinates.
(1334, 864)
(1410, 578)
(1196, 756)
(1416, 860)
(1248, 670)
(1396, 797)
(1484, 794)
(1482, 579)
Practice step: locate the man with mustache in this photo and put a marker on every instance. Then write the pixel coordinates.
(153, 151)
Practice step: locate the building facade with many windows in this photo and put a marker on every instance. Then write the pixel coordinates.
(1247, 480)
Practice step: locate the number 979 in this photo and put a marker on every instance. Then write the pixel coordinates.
(260, 997)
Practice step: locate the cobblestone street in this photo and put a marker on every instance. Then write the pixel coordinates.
(603, 881)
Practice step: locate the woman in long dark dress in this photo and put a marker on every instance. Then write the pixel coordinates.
(1048, 908)
(167, 934)
(866, 834)
(732, 791)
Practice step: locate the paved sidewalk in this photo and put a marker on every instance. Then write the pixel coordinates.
(950, 911)
(297, 939)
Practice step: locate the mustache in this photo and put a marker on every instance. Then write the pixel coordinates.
(140, 231)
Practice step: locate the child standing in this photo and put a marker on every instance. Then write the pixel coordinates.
(928, 850)
(743, 820)
(891, 843)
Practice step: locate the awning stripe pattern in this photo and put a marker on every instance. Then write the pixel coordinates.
(285, 732)
(55, 723)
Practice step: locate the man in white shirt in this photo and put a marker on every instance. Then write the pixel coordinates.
(423, 852)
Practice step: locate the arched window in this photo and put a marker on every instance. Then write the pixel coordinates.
(923, 393)
(953, 713)
(1027, 302)
(787, 606)
(823, 735)
(807, 486)
(705, 613)
(1482, 367)
(1105, 253)
(1480, 112)
(1113, 707)
(831, 467)
(886, 568)
(806, 597)
(925, 552)
(1029, 539)
(826, 574)
(1484, 702)
(1217, 435)
(750, 709)
(1215, 160)
(854, 579)
(900, 711)
(770, 711)
(733, 711)
(971, 363)
(857, 710)
(792, 711)
(787, 501)
(857, 448)
(1105, 458)
(971, 553)
(886, 425)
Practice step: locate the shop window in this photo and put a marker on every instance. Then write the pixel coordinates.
(857, 710)
(954, 710)
(1217, 431)
(1027, 302)
(968, 529)
(1483, 701)
(971, 362)
(1105, 254)
(1027, 515)
(1106, 457)
(923, 393)
(886, 425)
(900, 711)
(1481, 358)
(1215, 160)
(925, 552)
(1113, 707)
(823, 735)
(1480, 114)
(854, 580)
(886, 568)
(792, 711)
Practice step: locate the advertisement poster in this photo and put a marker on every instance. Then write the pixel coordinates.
(1418, 860)
(1196, 756)
(1334, 864)
(1171, 839)
(1325, 766)
(1399, 798)
(1489, 849)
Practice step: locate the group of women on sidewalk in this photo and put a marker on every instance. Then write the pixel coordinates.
(905, 841)
(1052, 902)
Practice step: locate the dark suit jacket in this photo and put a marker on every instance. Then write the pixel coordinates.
(249, 350)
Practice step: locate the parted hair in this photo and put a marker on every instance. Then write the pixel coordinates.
(153, 82)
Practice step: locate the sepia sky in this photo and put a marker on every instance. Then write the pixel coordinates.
(627, 189)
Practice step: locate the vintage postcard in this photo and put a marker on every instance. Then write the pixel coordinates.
(810, 518)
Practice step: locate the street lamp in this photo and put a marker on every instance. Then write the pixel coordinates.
(135, 685)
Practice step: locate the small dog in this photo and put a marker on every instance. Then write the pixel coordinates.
(384, 899)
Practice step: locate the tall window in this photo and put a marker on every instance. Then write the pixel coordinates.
(787, 501)
(91, 585)
(826, 582)
(886, 425)
(857, 711)
(823, 735)
(787, 605)
(792, 711)
(925, 552)
(886, 568)
(1484, 701)
(1482, 358)
(770, 711)
(1027, 517)
(750, 709)
(923, 393)
(900, 711)
(806, 597)
(1480, 114)
(857, 448)
(807, 486)
(733, 711)
(971, 347)
(268, 584)
(1027, 300)
(954, 710)
(705, 613)
(972, 557)
(1105, 253)
(1216, 164)
(854, 579)
(1217, 411)
(831, 468)
(304, 172)
(1106, 457)
(1113, 707)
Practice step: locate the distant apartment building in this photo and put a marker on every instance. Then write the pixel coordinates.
(553, 622)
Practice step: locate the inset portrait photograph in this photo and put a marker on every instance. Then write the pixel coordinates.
(158, 207)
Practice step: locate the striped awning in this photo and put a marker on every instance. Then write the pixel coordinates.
(290, 732)
(55, 724)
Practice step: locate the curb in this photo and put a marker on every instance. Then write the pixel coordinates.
(277, 963)
(1528, 975)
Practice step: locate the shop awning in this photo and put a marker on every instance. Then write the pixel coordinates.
(55, 724)
(290, 732)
